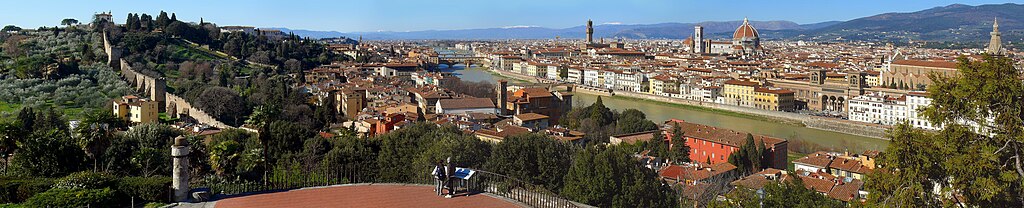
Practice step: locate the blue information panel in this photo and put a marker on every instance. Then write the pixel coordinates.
(464, 173)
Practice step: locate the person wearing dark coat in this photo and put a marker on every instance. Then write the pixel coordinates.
(450, 179)
(439, 177)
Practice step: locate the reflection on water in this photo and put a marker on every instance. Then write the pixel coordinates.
(475, 74)
(659, 112)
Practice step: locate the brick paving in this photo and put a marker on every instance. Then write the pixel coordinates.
(375, 195)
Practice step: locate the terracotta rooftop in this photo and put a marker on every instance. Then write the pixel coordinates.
(695, 173)
(720, 135)
(760, 179)
(364, 196)
(741, 82)
(772, 91)
(531, 116)
(634, 137)
(818, 159)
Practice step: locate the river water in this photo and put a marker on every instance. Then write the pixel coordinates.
(659, 112)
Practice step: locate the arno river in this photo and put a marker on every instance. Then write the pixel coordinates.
(659, 112)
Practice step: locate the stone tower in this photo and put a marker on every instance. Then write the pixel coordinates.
(180, 178)
(502, 95)
(995, 45)
(590, 32)
(698, 39)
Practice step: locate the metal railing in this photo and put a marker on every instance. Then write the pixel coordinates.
(481, 182)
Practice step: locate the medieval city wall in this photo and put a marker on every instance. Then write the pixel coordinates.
(181, 107)
(156, 89)
(113, 54)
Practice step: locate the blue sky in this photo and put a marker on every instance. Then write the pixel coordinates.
(410, 15)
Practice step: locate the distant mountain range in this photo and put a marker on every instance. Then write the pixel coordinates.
(611, 31)
(955, 22)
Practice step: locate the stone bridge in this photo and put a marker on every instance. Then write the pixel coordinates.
(453, 59)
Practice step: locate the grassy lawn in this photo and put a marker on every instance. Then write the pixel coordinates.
(190, 53)
(73, 113)
(791, 157)
(713, 110)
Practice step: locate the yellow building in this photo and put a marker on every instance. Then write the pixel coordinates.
(739, 92)
(350, 101)
(136, 110)
(773, 99)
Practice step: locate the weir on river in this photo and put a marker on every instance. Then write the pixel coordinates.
(659, 112)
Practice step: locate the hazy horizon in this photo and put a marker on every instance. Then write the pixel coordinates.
(408, 15)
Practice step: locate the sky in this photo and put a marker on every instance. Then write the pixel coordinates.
(412, 15)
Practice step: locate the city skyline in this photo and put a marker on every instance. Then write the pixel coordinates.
(400, 15)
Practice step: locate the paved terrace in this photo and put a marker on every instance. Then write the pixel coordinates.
(361, 195)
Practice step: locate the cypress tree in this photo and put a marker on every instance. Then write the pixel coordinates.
(162, 20)
(752, 154)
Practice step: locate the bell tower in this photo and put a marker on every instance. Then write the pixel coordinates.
(698, 39)
(995, 45)
(590, 32)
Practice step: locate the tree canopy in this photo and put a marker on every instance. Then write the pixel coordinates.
(975, 157)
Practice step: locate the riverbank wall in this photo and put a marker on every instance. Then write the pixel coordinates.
(847, 127)
(814, 122)
(592, 90)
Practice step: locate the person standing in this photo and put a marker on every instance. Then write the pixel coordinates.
(450, 173)
(439, 176)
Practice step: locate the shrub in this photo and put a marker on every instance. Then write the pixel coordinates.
(73, 198)
(85, 180)
(17, 190)
(11, 206)
(150, 189)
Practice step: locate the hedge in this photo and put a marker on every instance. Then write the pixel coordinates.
(74, 198)
(150, 189)
(17, 190)
(85, 180)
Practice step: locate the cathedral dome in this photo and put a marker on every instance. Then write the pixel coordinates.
(745, 31)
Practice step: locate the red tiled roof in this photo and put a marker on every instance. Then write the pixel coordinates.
(530, 116)
(818, 159)
(745, 31)
(694, 173)
(773, 91)
(741, 82)
(760, 179)
(722, 136)
(849, 165)
(634, 137)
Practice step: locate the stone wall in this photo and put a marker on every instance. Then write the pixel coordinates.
(156, 88)
(848, 127)
(179, 107)
(152, 87)
(113, 54)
